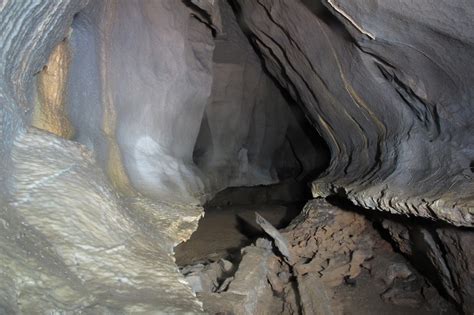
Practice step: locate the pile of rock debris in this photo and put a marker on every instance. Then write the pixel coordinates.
(328, 261)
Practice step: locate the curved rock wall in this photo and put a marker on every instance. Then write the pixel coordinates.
(249, 135)
(68, 242)
(387, 84)
(101, 104)
(139, 83)
(165, 101)
(169, 114)
(27, 41)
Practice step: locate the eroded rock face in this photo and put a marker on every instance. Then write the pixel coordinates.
(328, 261)
(140, 78)
(387, 84)
(172, 112)
(69, 242)
(126, 84)
(156, 105)
(26, 45)
(249, 135)
(68, 236)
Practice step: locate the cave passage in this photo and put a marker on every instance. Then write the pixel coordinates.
(236, 157)
(229, 223)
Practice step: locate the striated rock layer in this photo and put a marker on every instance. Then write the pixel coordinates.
(388, 86)
(249, 134)
(160, 104)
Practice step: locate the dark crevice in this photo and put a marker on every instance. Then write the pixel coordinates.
(426, 113)
(202, 16)
(327, 17)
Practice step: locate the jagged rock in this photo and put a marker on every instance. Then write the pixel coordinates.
(332, 240)
(209, 277)
(315, 298)
(459, 256)
(163, 103)
(333, 250)
(251, 290)
(397, 271)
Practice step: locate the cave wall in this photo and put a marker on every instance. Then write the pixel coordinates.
(68, 241)
(102, 103)
(138, 66)
(21, 36)
(172, 112)
(388, 86)
(249, 135)
(106, 102)
(442, 252)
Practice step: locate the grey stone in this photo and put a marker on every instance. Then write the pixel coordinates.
(387, 85)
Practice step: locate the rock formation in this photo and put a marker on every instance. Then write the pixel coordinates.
(387, 84)
(120, 118)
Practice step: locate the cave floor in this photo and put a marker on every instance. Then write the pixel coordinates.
(224, 230)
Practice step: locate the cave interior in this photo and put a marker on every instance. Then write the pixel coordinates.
(236, 157)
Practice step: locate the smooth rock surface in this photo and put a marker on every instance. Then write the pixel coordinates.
(161, 104)
(140, 78)
(174, 113)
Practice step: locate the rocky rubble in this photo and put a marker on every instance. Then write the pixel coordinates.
(208, 277)
(337, 253)
(336, 262)
(255, 287)
(119, 117)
